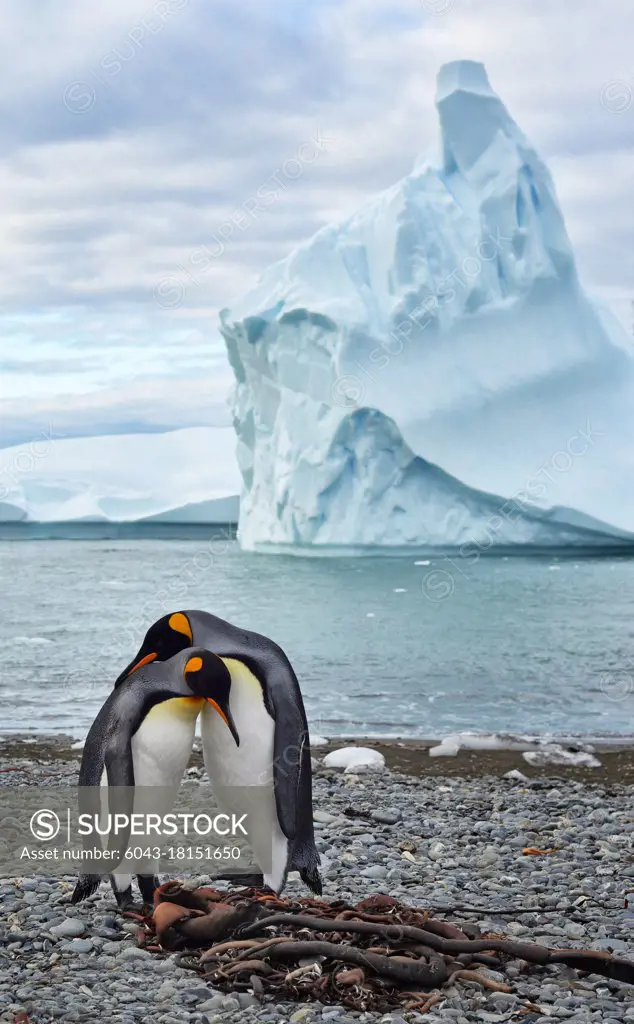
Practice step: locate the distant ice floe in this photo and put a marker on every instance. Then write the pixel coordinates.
(351, 759)
(33, 640)
(536, 750)
(318, 741)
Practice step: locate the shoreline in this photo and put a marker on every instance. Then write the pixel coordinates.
(404, 756)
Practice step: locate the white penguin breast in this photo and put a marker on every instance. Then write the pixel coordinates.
(242, 776)
(251, 763)
(162, 744)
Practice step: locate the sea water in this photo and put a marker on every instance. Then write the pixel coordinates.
(408, 646)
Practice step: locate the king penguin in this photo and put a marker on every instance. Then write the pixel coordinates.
(143, 736)
(270, 774)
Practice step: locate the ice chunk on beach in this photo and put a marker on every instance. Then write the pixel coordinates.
(353, 758)
(556, 754)
(430, 372)
(536, 750)
(450, 745)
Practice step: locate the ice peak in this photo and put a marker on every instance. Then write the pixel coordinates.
(463, 76)
(472, 116)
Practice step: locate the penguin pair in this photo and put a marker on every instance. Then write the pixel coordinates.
(254, 732)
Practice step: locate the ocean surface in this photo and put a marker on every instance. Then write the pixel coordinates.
(407, 647)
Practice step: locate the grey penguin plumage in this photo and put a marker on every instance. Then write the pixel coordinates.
(268, 710)
(143, 736)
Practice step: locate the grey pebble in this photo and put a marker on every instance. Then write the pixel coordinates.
(374, 871)
(76, 946)
(133, 953)
(69, 928)
(389, 816)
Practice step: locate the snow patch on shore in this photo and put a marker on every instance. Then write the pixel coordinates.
(351, 759)
(536, 750)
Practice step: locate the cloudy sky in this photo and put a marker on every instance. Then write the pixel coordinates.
(133, 130)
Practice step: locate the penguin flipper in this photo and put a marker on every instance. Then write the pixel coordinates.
(119, 766)
(293, 778)
(292, 773)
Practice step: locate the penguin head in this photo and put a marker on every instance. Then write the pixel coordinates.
(166, 637)
(207, 676)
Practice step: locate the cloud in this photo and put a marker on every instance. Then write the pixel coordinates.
(134, 131)
(134, 406)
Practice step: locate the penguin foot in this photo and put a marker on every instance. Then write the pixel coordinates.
(147, 886)
(312, 878)
(124, 898)
(86, 885)
(244, 881)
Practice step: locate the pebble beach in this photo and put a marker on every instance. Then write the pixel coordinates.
(418, 830)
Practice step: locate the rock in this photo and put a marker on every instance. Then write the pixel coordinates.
(488, 857)
(390, 816)
(245, 999)
(168, 991)
(76, 946)
(69, 928)
(436, 850)
(374, 871)
(133, 952)
(515, 928)
(215, 1003)
(112, 948)
(303, 1014)
(348, 858)
(574, 930)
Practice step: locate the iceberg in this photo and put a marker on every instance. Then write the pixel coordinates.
(180, 476)
(430, 372)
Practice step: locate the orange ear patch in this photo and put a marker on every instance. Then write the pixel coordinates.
(194, 665)
(180, 624)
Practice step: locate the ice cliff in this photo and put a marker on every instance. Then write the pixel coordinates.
(430, 372)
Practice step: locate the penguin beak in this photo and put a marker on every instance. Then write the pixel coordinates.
(134, 665)
(227, 718)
